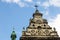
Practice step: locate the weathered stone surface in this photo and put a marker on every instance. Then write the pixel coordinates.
(39, 29)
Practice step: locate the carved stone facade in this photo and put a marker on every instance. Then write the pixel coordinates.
(39, 29)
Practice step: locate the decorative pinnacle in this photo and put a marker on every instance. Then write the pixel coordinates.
(54, 29)
(36, 7)
(23, 28)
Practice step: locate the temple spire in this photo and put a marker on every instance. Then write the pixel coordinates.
(37, 11)
(13, 35)
(36, 7)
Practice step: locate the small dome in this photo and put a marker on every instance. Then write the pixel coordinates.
(37, 13)
(13, 35)
(45, 21)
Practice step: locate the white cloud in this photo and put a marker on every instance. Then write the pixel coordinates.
(45, 4)
(28, 0)
(55, 22)
(8, 1)
(55, 3)
(46, 13)
(18, 2)
(48, 3)
(11, 1)
(21, 4)
(38, 2)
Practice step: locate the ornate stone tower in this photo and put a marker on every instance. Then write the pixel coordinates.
(13, 35)
(39, 29)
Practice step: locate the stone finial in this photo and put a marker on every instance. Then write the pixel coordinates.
(23, 29)
(36, 7)
(54, 29)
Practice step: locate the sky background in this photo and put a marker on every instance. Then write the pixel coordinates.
(17, 13)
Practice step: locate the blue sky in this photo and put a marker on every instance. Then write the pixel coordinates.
(16, 13)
